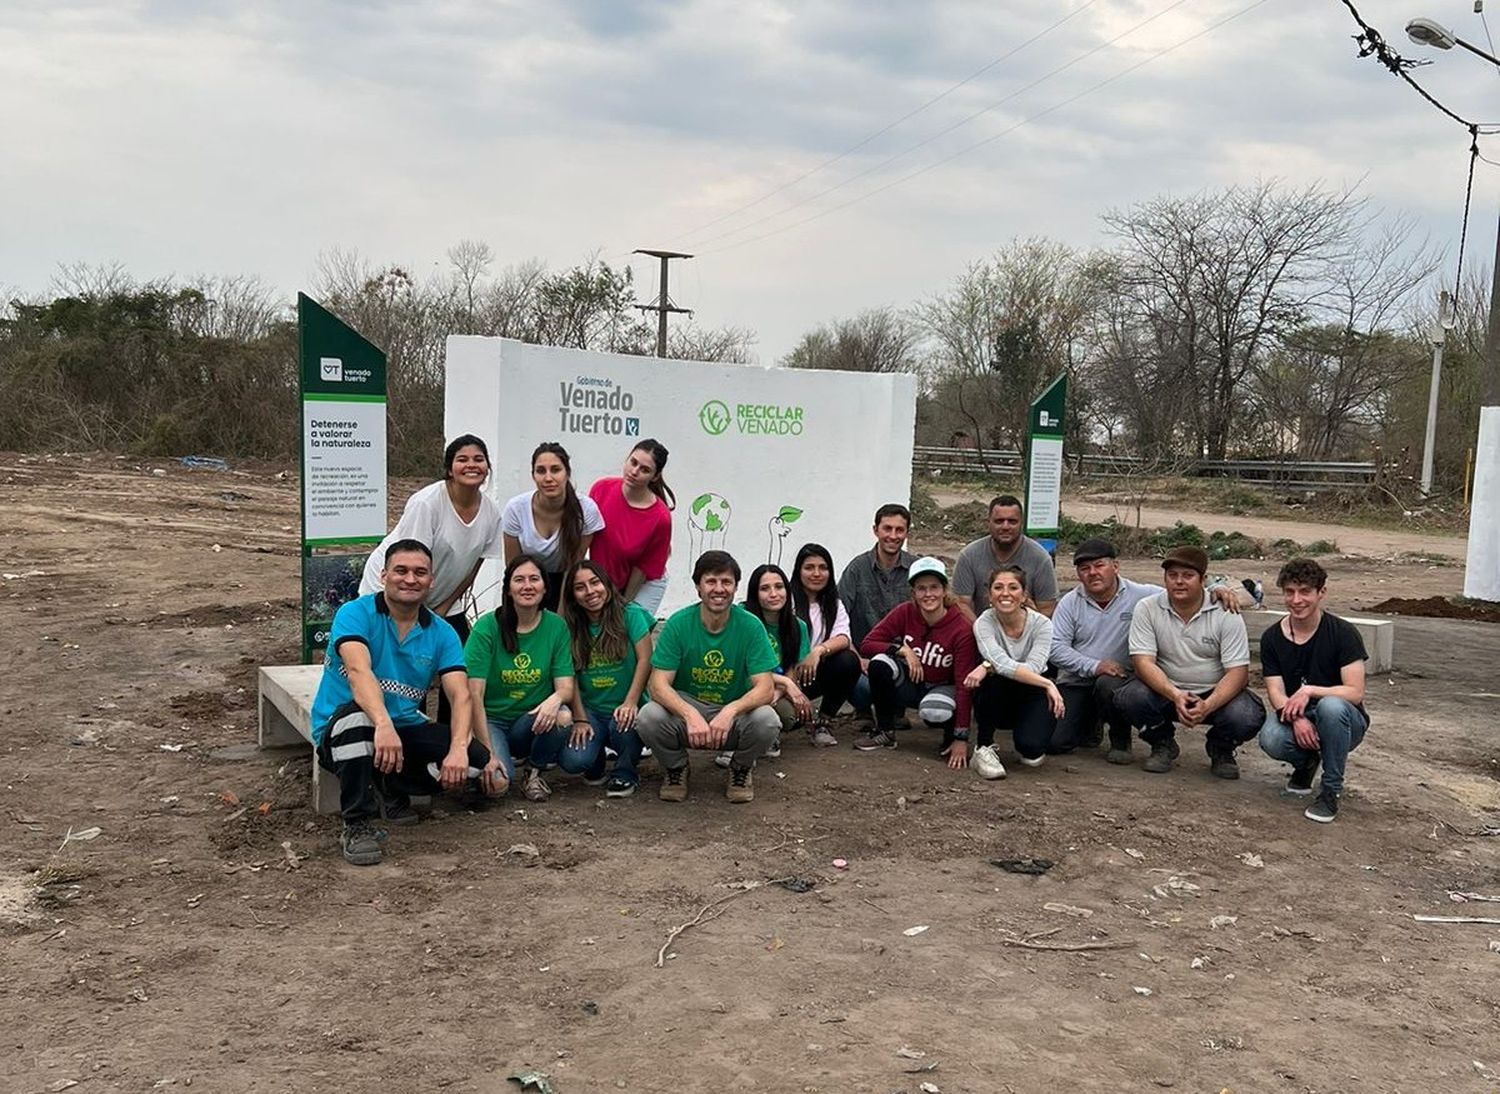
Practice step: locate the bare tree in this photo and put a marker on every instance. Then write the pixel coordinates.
(878, 340)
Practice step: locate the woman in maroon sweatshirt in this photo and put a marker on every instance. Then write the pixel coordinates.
(919, 655)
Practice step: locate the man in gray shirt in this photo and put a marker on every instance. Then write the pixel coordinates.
(875, 582)
(1191, 662)
(1091, 648)
(1006, 545)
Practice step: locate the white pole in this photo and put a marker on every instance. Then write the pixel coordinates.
(1439, 334)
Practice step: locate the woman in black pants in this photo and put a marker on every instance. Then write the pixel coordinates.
(831, 668)
(1010, 691)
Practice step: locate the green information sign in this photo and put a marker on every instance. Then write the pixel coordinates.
(342, 381)
(1044, 463)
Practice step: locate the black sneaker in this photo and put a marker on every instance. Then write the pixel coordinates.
(875, 739)
(361, 844)
(619, 786)
(1222, 764)
(1163, 755)
(1300, 781)
(395, 809)
(1325, 809)
(595, 778)
(1093, 736)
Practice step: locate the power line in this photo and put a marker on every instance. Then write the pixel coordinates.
(949, 129)
(1463, 234)
(1005, 132)
(1372, 43)
(892, 125)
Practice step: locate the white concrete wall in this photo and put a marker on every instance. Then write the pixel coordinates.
(1482, 572)
(834, 445)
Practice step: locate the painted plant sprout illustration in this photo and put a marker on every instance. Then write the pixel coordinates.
(780, 526)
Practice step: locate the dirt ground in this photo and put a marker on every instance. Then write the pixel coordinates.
(200, 929)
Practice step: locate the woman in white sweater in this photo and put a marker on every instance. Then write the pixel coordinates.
(1010, 691)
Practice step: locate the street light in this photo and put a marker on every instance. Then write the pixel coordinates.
(1482, 567)
(1429, 32)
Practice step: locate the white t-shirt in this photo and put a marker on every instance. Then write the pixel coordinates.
(516, 520)
(815, 623)
(430, 517)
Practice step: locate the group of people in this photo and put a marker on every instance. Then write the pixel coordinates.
(572, 670)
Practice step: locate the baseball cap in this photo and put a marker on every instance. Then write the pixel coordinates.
(1092, 548)
(934, 566)
(1195, 558)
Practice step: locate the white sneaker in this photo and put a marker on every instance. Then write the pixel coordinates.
(987, 762)
(1032, 763)
(723, 758)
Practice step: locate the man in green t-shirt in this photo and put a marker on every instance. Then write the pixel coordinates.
(710, 684)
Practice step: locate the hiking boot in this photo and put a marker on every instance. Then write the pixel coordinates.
(986, 763)
(774, 752)
(1325, 809)
(674, 784)
(723, 759)
(1163, 755)
(821, 736)
(874, 739)
(361, 844)
(1119, 755)
(619, 786)
(741, 787)
(534, 788)
(1300, 781)
(1222, 764)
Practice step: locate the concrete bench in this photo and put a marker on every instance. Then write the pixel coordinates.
(286, 698)
(1379, 636)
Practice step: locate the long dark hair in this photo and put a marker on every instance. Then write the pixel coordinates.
(828, 599)
(787, 631)
(570, 532)
(613, 641)
(506, 613)
(463, 440)
(658, 486)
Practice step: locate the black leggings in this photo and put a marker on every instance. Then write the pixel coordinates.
(1003, 703)
(837, 674)
(459, 622)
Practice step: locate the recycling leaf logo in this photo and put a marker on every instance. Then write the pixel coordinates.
(714, 659)
(523, 660)
(714, 417)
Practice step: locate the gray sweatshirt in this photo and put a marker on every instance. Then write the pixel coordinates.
(1006, 654)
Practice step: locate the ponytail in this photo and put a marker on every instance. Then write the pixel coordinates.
(658, 486)
(570, 533)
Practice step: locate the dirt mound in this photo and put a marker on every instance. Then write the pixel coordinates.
(1437, 607)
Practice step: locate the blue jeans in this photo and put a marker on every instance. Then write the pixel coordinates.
(515, 741)
(859, 698)
(1340, 729)
(626, 743)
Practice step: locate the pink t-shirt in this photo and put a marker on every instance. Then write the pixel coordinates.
(632, 538)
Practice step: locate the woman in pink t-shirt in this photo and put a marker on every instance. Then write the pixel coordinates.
(636, 539)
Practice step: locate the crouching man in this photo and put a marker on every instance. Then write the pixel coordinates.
(1191, 661)
(710, 684)
(384, 651)
(1314, 665)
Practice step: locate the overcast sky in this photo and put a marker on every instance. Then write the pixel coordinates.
(194, 136)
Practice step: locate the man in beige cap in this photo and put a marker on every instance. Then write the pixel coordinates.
(1191, 661)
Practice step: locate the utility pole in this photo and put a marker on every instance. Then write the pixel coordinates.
(663, 305)
(1439, 336)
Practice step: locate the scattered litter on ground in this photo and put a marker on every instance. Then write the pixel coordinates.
(797, 885)
(205, 463)
(1495, 945)
(533, 1080)
(1174, 884)
(526, 849)
(1033, 866)
(1223, 921)
(912, 932)
(1250, 858)
(930, 1088)
(1141, 991)
(293, 859)
(1068, 909)
(920, 1069)
(841, 864)
(1492, 920)
(83, 835)
(1460, 898)
(1135, 854)
(910, 1053)
(1198, 962)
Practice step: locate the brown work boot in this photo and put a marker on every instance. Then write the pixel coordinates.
(674, 784)
(741, 787)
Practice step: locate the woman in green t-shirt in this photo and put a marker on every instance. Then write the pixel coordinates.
(768, 598)
(521, 679)
(611, 643)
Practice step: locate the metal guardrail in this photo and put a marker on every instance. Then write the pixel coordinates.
(1302, 474)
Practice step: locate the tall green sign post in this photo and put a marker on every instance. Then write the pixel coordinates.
(342, 380)
(1044, 463)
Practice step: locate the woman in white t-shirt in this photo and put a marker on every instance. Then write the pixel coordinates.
(461, 526)
(551, 522)
(831, 669)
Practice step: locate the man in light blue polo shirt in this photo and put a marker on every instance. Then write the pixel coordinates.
(384, 651)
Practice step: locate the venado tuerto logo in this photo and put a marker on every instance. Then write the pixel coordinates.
(597, 404)
(751, 419)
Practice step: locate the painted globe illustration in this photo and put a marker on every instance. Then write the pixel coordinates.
(709, 513)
